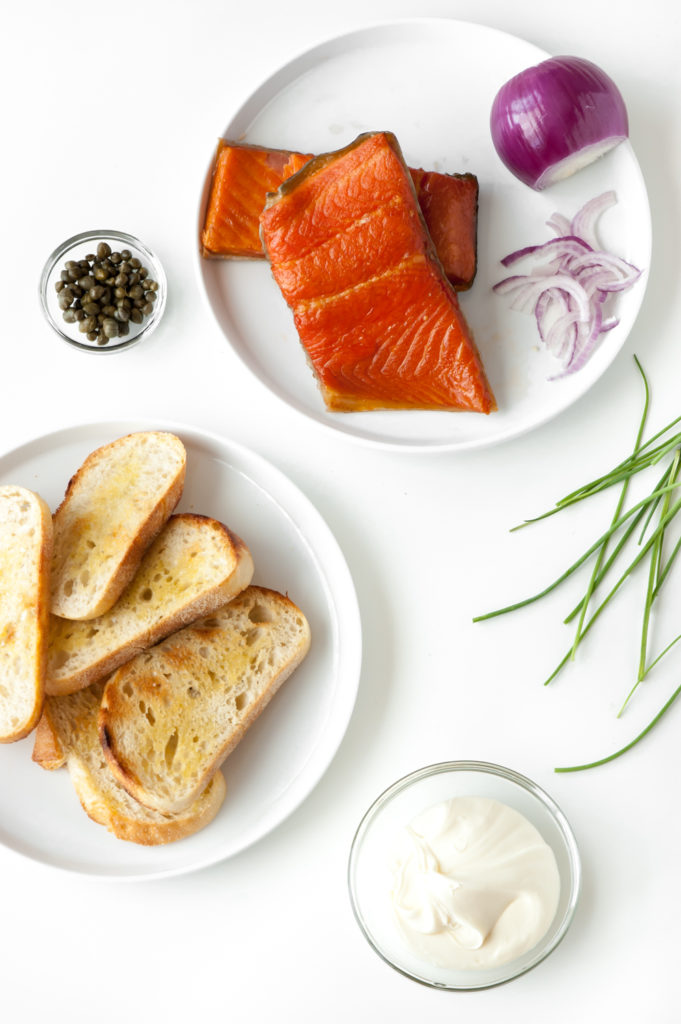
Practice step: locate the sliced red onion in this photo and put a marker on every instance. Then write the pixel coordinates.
(550, 120)
(570, 285)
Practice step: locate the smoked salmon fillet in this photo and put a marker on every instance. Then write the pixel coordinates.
(375, 313)
(242, 177)
(244, 174)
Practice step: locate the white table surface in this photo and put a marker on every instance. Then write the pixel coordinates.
(269, 934)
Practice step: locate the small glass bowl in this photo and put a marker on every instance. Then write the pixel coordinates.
(78, 248)
(369, 872)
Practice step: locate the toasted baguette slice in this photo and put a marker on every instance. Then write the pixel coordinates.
(25, 555)
(67, 734)
(114, 507)
(170, 717)
(195, 565)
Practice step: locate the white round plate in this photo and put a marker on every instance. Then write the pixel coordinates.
(288, 749)
(432, 83)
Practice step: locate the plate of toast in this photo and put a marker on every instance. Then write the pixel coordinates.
(312, 282)
(181, 649)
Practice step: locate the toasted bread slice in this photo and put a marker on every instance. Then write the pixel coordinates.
(195, 565)
(67, 734)
(170, 717)
(114, 507)
(25, 555)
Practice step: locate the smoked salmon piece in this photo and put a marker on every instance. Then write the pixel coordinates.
(242, 177)
(244, 174)
(380, 322)
(449, 204)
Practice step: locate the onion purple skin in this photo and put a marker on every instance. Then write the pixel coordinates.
(550, 120)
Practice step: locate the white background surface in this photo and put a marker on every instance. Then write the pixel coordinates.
(108, 114)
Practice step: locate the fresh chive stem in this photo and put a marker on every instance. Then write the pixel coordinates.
(637, 739)
(610, 562)
(627, 572)
(616, 515)
(653, 578)
(582, 559)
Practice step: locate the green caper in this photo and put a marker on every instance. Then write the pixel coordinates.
(105, 292)
(110, 328)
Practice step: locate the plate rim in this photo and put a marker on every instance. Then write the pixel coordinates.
(288, 71)
(334, 726)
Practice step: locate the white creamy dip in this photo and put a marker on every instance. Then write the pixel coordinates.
(474, 884)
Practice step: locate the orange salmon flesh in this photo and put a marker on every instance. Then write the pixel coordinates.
(375, 313)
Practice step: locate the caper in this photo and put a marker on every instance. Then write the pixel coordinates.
(104, 292)
(110, 328)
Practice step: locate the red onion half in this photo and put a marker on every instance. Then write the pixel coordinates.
(555, 118)
(570, 285)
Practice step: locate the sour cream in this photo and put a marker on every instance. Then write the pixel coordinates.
(474, 884)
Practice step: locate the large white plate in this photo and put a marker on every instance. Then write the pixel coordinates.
(431, 82)
(287, 750)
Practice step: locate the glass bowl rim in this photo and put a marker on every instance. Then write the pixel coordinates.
(104, 235)
(534, 790)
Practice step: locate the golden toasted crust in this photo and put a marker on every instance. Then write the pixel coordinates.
(67, 734)
(194, 566)
(25, 557)
(170, 717)
(113, 508)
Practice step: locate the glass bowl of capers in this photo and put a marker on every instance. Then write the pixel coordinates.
(103, 291)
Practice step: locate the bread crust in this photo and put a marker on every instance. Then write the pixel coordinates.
(200, 586)
(25, 558)
(199, 683)
(92, 511)
(67, 735)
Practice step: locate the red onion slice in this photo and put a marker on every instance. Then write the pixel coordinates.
(570, 285)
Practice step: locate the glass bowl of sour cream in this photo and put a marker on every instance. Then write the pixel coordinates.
(464, 875)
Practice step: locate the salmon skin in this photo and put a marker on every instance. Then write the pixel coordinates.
(243, 175)
(376, 315)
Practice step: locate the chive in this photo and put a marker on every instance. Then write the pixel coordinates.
(637, 739)
(632, 565)
(618, 511)
(581, 560)
(653, 515)
(653, 579)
